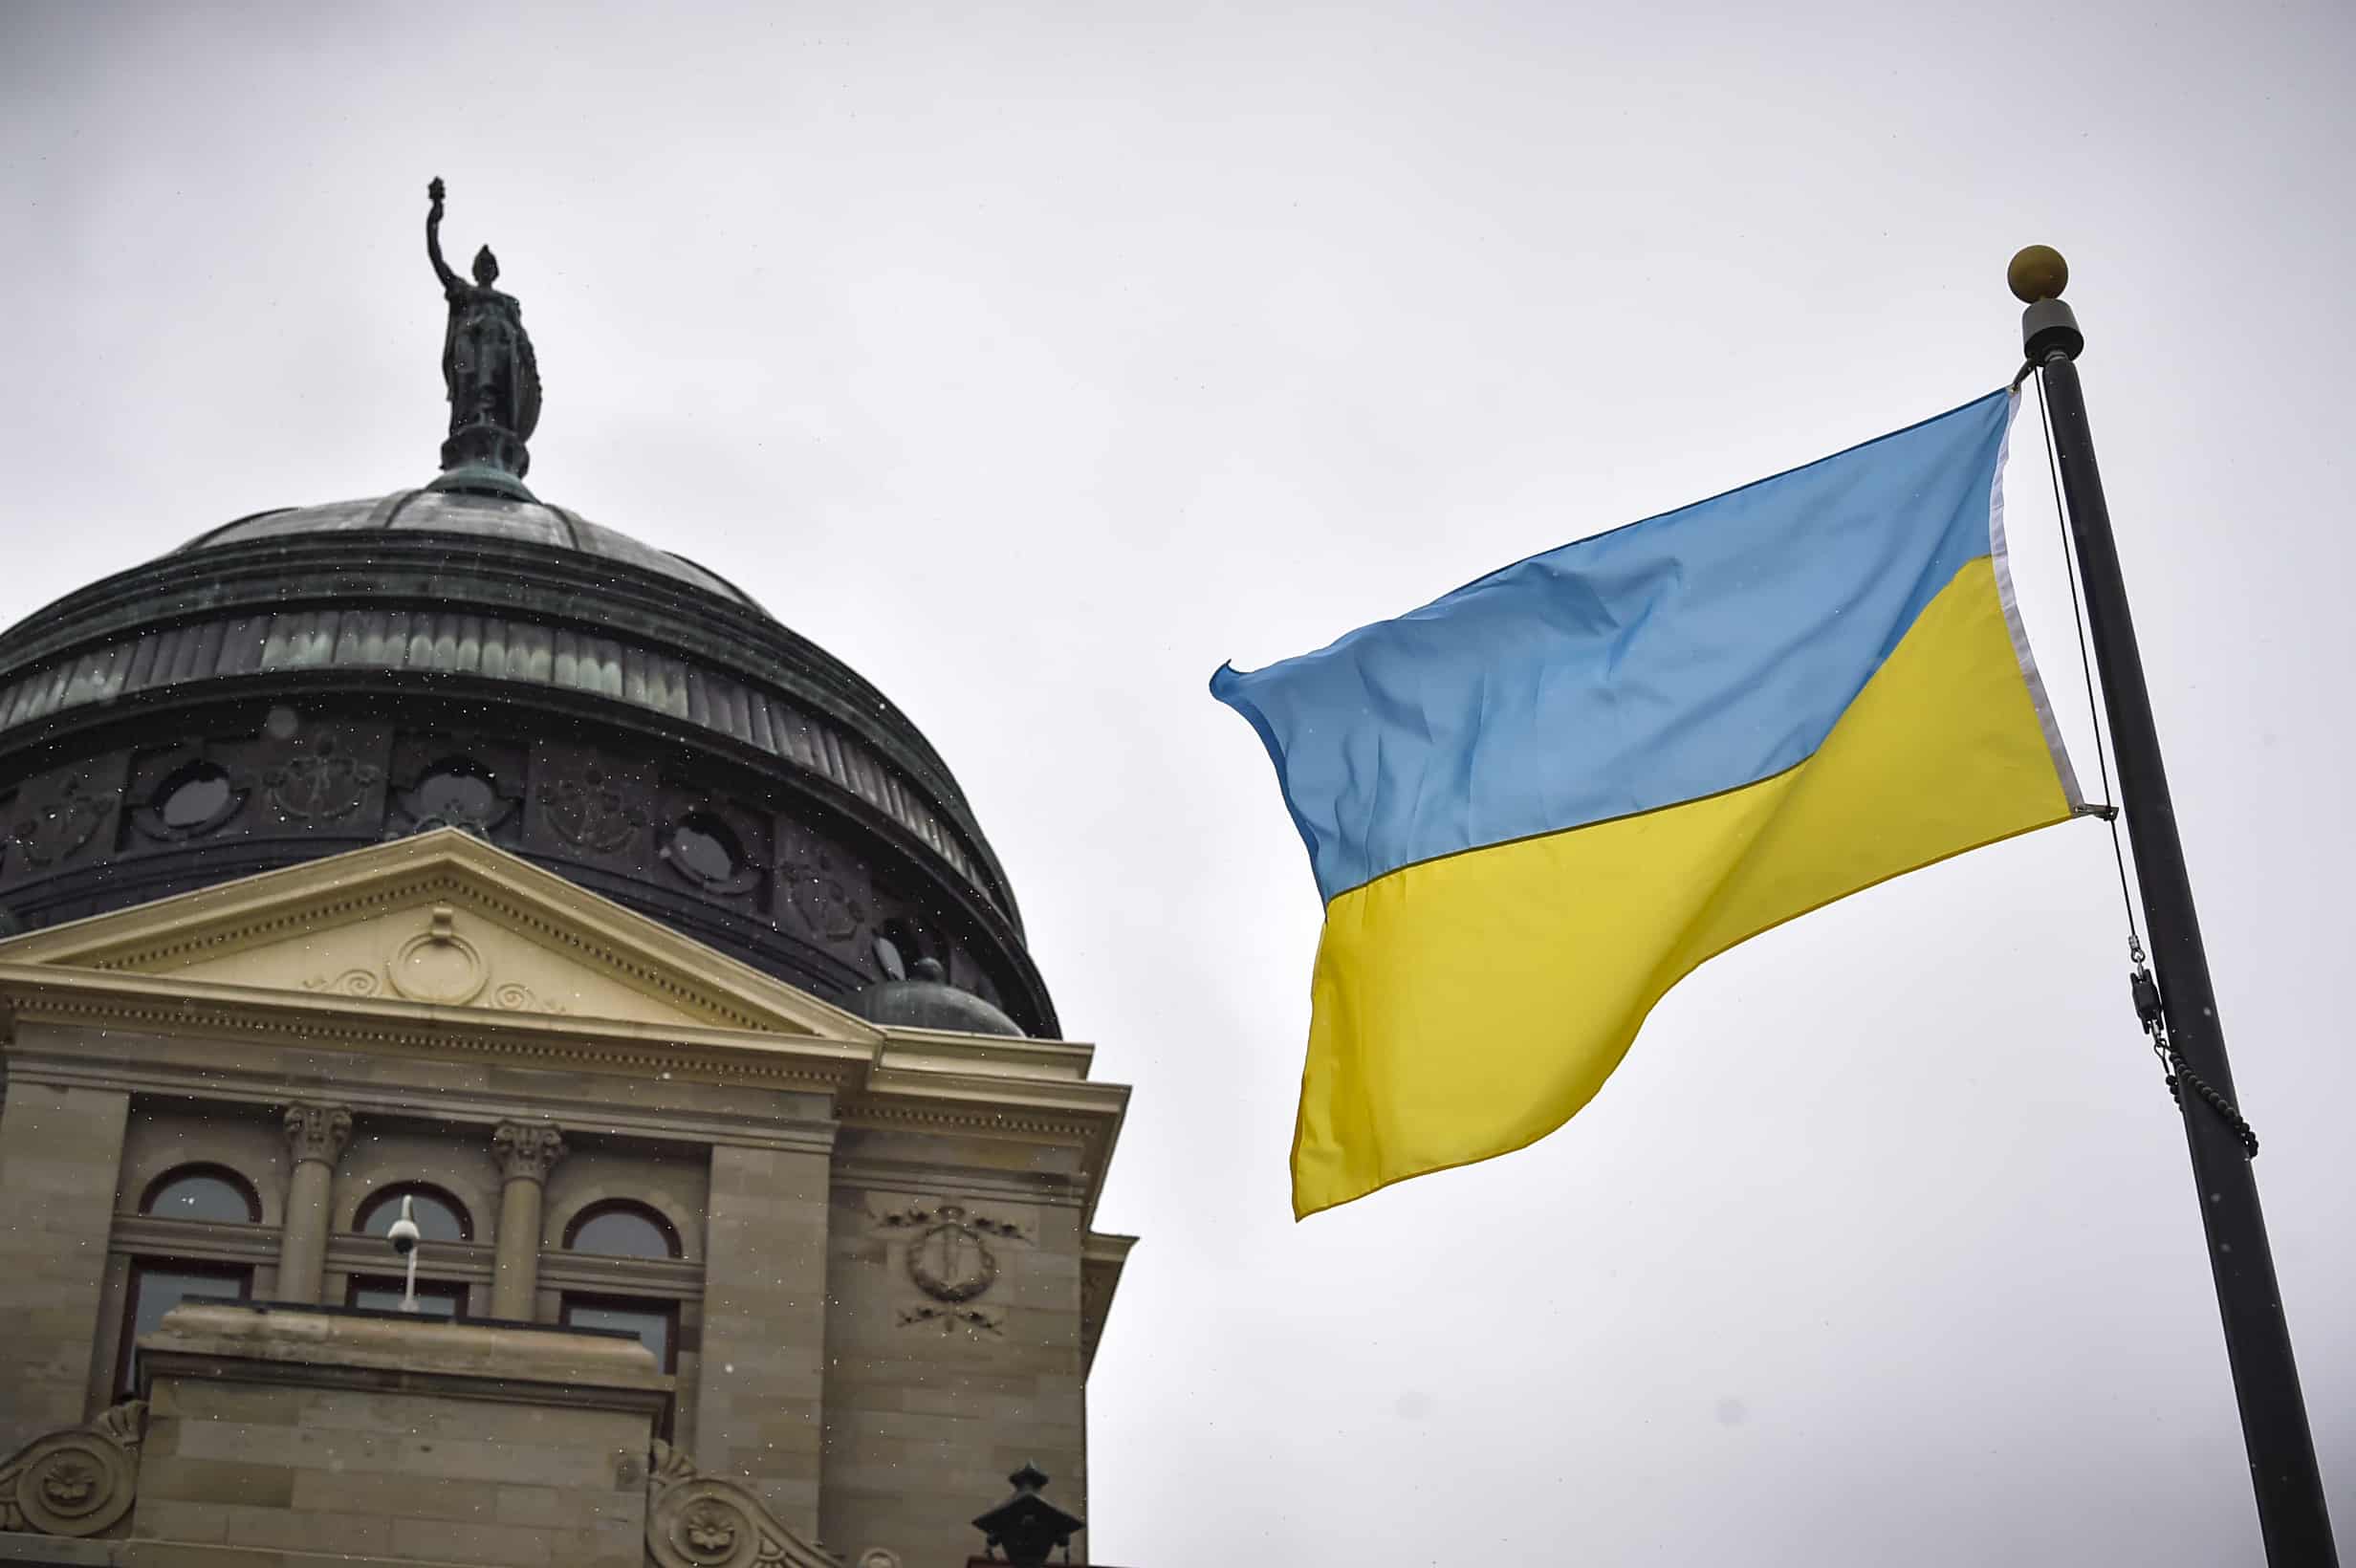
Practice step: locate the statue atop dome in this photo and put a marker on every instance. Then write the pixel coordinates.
(488, 365)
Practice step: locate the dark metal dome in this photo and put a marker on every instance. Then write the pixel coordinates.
(930, 1003)
(448, 511)
(304, 680)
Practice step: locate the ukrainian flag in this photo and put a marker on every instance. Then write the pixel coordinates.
(1536, 804)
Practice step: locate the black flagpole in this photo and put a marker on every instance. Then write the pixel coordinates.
(2291, 1512)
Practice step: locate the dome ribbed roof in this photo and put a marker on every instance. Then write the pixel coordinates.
(342, 673)
(486, 517)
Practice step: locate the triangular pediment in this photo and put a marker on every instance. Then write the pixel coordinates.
(441, 921)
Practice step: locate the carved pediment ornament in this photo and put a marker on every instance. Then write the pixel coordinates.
(78, 1482)
(439, 966)
(527, 1151)
(701, 1521)
(318, 1132)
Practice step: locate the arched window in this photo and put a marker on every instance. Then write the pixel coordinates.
(439, 1216)
(202, 1192)
(619, 1227)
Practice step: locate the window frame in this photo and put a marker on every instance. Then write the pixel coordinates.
(126, 1353)
(394, 1193)
(234, 1180)
(662, 1222)
(653, 1306)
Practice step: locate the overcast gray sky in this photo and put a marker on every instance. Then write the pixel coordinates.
(1034, 358)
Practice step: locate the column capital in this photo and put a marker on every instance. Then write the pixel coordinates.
(318, 1132)
(527, 1151)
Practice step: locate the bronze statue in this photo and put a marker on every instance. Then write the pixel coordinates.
(487, 364)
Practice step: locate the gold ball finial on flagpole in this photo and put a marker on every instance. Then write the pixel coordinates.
(2038, 273)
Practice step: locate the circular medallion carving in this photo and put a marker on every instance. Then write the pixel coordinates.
(73, 1483)
(438, 965)
(697, 1524)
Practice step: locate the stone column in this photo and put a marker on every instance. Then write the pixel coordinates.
(526, 1152)
(315, 1136)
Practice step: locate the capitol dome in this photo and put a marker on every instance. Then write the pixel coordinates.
(301, 682)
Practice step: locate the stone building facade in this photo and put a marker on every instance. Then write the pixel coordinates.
(445, 861)
(846, 1270)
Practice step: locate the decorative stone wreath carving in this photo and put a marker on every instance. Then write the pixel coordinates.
(947, 1257)
(695, 1520)
(78, 1482)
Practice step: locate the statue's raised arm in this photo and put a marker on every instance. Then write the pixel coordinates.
(433, 234)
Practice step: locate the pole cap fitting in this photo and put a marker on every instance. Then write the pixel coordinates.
(2038, 273)
(2048, 328)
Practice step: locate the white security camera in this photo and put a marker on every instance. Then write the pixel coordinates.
(403, 1234)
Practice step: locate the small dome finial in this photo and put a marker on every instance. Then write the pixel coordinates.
(2038, 273)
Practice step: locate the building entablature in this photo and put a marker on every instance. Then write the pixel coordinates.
(442, 950)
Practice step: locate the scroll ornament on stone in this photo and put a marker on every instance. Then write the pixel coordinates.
(695, 1520)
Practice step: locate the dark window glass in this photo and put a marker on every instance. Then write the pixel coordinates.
(193, 796)
(435, 1298)
(157, 1288)
(439, 1216)
(622, 1230)
(202, 1193)
(703, 844)
(655, 1322)
(456, 792)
